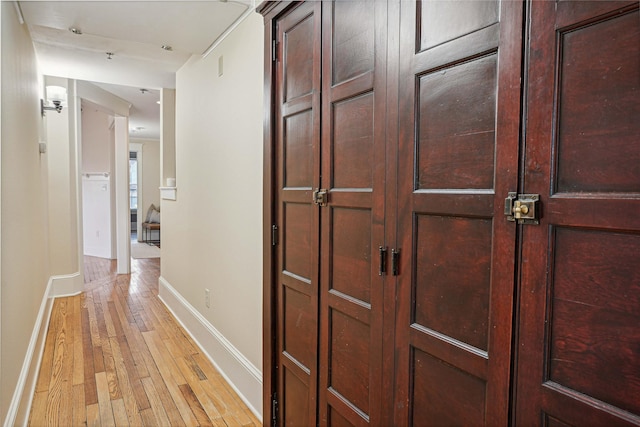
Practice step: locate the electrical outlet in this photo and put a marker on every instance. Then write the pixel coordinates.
(207, 298)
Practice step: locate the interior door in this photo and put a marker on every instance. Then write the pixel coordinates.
(297, 174)
(352, 222)
(579, 333)
(460, 70)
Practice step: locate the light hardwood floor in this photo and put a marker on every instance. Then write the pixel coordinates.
(114, 356)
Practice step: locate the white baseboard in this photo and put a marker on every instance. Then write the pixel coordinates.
(239, 372)
(66, 285)
(20, 407)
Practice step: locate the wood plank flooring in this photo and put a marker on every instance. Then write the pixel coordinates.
(114, 356)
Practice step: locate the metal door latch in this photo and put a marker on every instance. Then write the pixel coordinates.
(522, 208)
(321, 197)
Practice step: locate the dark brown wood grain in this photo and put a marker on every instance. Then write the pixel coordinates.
(296, 145)
(453, 277)
(352, 39)
(442, 21)
(269, 283)
(353, 142)
(579, 336)
(456, 127)
(598, 126)
(419, 118)
(351, 258)
(349, 356)
(459, 106)
(459, 400)
(354, 35)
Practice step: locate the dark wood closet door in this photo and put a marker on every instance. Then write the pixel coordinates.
(297, 174)
(579, 347)
(352, 223)
(460, 69)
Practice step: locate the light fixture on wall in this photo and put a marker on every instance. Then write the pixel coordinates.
(56, 97)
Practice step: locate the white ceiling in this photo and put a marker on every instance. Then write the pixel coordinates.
(144, 118)
(134, 31)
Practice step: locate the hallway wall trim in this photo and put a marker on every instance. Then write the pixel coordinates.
(66, 285)
(18, 414)
(236, 369)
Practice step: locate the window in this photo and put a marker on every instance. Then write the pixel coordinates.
(133, 181)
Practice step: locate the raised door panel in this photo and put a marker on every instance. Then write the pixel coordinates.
(578, 361)
(459, 114)
(352, 227)
(297, 154)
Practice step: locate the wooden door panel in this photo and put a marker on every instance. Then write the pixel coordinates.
(352, 41)
(580, 289)
(298, 57)
(353, 142)
(298, 157)
(350, 254)
(460, 399)
(459, 104)
(298, 233)
(597, 146)
(335, 419)
(299, 327)
(594, 315)
(349, 355)
(296, 396)
(442, 21)
(456, 126)
(352, 225)
(453, 280)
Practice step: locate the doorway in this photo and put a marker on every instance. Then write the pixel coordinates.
(133, 194)
(136, 202)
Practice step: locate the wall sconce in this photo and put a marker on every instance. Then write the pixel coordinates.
(56, 95)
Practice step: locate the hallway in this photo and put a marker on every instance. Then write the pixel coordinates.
(115, 356)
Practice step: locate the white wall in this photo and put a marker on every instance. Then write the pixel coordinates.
(212, 233)
(24, 259)
(96, 149)
(168, 134)
(62, 181)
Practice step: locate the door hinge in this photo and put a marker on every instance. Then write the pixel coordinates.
(382, 268)
(274, 235)
(395, 259)
(274, 409)
(274, 50)
(320, 197)
(522, 208)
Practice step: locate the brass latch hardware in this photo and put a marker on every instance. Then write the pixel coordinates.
(522, 208)
(321, 197)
